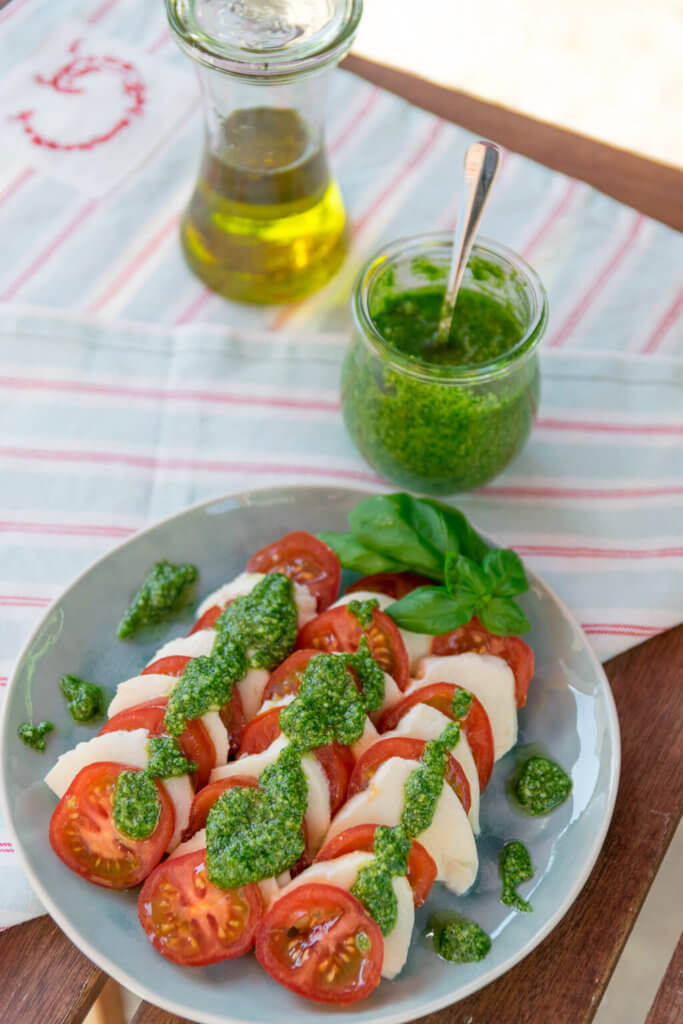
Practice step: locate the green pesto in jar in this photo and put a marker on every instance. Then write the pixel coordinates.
(515, 868)
(136, 805)
(159, 595)
(458, 939)
(86, 700)
(541, 785)
(34, 735)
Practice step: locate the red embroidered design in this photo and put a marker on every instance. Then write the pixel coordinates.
(69, 80)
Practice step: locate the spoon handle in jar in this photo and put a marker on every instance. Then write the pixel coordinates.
(481, 164)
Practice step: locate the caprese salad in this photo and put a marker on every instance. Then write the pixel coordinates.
(295, 773)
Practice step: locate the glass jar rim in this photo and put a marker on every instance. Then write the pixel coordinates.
(444, 373)
(276, 67)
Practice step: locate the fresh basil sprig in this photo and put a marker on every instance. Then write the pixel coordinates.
(396, 532)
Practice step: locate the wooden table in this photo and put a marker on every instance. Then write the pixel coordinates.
(43, 977)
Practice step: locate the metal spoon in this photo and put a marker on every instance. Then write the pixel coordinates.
(481, 164)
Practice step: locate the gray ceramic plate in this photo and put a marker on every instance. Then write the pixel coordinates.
(570, 713)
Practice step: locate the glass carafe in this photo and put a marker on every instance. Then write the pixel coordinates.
(266, 220)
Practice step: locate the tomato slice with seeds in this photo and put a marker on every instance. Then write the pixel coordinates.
(208, 619)
(85, 838)
(174, 666)
(260, 732)
(306, 560)
(475, 724)
(338, 629)
(286, 678)
(421, 872)
(318, 941)
(191, 921)
(411, 750)
(512, 649)
(206, 798)
(394, 584)
(195, 742)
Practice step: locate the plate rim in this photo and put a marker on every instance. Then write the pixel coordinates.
(120, 975)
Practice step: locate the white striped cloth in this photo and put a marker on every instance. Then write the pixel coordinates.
(122, 377)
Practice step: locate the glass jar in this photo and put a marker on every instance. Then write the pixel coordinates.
(442, 428)
(266, 221)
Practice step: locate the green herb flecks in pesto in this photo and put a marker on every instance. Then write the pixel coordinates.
(34, 735)
(205, 685)
(166, 759)
(136, 805)
(158, 595)
(373, 886)
(423, 786)
(363, 611)
(458, 939)
(462, 702)
(515, 868)
(86, 700)
(256, 833)
(263, 622)
(328, 707)
(369, 675)
(541, 785)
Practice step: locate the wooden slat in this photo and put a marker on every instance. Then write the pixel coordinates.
(653, 188)
(668, 1005)
(43, 977)
(565, 977)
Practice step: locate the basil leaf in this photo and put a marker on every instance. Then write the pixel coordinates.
(354, 555)
(505, 573)
(447, 529)
(431, 610)
(503, 616)
(464, 576)
(383, 523)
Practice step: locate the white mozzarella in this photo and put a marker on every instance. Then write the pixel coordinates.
(317, 815)
(343, 872)
(418, 645)
(195, 842)
(370, 736)
(218, 735)
(490, 680)
(251, 690)
(245, 583)
(129, 748)
(306, 605)
(194, 646)
(392, 695)
(426, 723)
(276, 702)
(448, 839)
(181, 792)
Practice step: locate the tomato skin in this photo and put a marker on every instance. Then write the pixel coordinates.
(412, 750)
(475, 724)
(208, 619)
(195, 742)
(306, 942)
(306, 560)
(84, 837)
(394, 584)
(512, 649)
(338, 629)
(286, 678)
(260, 732)
(234, 720)
(206, 798)
(182, 913)
(421, 872)
(172, 666)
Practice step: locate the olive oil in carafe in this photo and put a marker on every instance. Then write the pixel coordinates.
(266, 222)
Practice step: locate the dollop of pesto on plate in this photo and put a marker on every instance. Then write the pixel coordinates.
(541, 785)
(86, 700)
(34, 735)
(458, 939)
(159, 595)
(515, 868)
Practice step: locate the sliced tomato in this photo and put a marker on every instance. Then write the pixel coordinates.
(338, 629)
(234, 720)
(306, 560)
(411, 750)
(208, 619)
(421, 871)
(206, 798)
(394, 584)
(318, 941)
(191, 921)
(195, 742)
(260, 732)
(512, 649)
(286, 678)
(475, 724)
(174, 666)
(83, 834)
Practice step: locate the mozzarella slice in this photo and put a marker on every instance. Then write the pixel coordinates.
(343, 872)
(448, 839)
(426, 723)
(317, 815)
(130, 749)
(418, 645)
(195, 842)
(490, 680)
(370, 736)
(194, 646)
(251, 690)
(245, 583)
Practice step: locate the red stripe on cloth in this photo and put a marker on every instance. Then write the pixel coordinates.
(10, 601)
(100, 12)
(552, 217)
(67, 529)
(196, 304)
(567, 551)
(49, 250)
(588, 297)
(4, 680)
(160, 41)
(594, 426)
(503, 491)
(11, 9)
(607, 629)
(664, 324)
(142, 256)
(14, 186)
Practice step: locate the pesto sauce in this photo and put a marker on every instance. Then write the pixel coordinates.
(166, 759)
(327, 707)
(423, 786)
(369, 675)
(136, 804)
(86, 700)
(541, 785)
(515, 868)
(34, 735)
(158, 595)
(462, 702)
(363, 611)
(458, 939)
(263, 623)
(205, 685)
